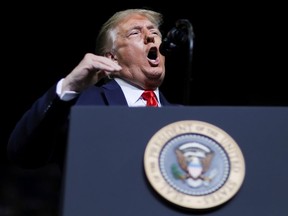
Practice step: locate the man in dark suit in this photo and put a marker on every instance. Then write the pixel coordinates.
(127, 62)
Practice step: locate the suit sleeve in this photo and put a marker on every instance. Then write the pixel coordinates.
(40, 135)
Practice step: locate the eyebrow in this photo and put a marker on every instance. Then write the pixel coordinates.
(137, 26)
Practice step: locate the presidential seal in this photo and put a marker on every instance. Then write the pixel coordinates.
(194, 164)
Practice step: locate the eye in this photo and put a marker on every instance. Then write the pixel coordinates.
(134, 32)
(155, 31)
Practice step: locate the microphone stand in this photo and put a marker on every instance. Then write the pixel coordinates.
(188, 74)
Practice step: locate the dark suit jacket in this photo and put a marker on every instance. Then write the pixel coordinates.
(40, 136)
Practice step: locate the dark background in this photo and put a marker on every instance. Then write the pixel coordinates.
(238, 60)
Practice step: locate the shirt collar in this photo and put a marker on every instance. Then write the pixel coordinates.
(132, 93)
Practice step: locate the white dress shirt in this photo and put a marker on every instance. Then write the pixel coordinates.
(131, 93)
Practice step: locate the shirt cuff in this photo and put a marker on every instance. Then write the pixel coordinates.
(66, 95)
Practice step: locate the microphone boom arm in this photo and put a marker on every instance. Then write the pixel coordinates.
(187, 89)
(178, 36)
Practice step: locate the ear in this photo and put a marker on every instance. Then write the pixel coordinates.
(111, 56)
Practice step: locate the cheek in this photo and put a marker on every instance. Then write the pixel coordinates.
(162, 59)
(132, 55)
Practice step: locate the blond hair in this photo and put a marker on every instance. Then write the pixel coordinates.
(104, 39)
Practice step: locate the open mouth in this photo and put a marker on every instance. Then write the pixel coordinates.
(153, 53)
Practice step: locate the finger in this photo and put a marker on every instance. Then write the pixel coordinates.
(106, 64)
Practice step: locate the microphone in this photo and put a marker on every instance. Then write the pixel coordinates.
(177, 37)
(182, 34)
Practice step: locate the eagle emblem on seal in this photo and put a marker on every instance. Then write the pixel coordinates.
(194, 160)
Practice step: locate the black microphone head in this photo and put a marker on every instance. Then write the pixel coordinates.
(175, 38)
(166, 46)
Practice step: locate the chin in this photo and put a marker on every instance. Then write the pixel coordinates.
(156, 73)
(154, 83)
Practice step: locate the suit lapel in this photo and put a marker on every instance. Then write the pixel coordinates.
(114, 94)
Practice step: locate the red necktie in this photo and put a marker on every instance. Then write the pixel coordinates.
(150, 97)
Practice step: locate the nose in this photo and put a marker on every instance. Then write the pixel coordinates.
(149, 38)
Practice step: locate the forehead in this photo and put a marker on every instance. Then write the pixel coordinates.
(133, 20)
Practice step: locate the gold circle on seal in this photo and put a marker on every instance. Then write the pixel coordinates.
(156, 178)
